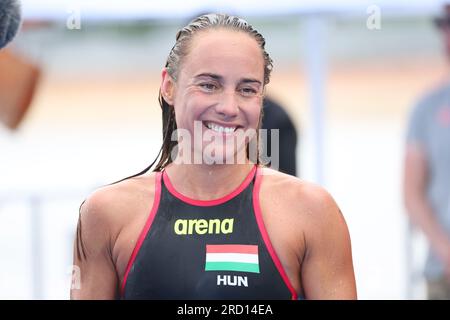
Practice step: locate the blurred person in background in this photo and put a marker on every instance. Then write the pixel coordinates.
(220, 229)
(427, 175)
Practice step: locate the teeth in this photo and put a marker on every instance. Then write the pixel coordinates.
(220, 129)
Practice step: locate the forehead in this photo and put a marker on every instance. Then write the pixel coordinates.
(224, 52)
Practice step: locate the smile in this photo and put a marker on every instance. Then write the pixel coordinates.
(218, 128)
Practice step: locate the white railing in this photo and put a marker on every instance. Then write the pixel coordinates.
(35, 202)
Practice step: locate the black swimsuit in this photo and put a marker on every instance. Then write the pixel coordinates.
(218, 249)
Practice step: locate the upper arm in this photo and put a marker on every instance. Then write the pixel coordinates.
(327, 268)
(415, 172)
(95, 269)
(417, 137)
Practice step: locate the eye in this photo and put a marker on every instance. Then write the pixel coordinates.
(208, 86)
(248, 92)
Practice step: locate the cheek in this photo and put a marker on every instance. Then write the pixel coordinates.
(254, 114)
(188, 111)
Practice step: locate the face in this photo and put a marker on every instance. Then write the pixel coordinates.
(443, 25)
(218, 90)
(445, 31)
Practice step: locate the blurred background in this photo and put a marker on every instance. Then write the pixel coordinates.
(347, 74)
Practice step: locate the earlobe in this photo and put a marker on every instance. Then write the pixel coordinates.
(167, 87)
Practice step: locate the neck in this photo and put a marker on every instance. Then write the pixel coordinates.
(207, 182)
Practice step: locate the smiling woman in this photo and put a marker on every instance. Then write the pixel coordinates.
(206, 80)
(156, 235)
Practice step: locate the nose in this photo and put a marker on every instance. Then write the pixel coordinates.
(228, 104)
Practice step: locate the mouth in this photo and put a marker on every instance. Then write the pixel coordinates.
(220, 128)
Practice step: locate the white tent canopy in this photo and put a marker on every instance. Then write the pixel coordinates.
(140, 9)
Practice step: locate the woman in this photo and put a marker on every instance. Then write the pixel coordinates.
(205, 224)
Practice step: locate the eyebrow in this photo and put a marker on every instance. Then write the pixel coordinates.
(220, 78)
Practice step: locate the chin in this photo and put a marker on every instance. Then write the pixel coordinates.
(222, 155)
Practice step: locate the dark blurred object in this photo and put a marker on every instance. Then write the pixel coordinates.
(275, 117)
(18, 80)
(10, 16)
(443, 21)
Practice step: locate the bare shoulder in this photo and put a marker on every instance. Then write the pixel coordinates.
(305, 222)
(304, 206)
(304, 197)
(107, 209)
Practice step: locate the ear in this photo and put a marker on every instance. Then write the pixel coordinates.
(167, 87)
